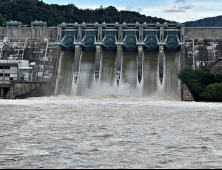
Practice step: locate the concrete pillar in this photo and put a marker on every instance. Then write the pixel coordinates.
(160, 62)
(79, 34)
(2, 92)
(59, 33)
(139, 62)
(161, 34)
(182, 57)
(182, 33)
(97, 61)
(118, 63)
(100, 34)
(140, 34)
(78, 50)
(120, 34)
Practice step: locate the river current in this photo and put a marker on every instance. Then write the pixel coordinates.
(104, 126)
(111, 131)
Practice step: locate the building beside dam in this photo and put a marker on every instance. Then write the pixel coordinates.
(30, 56)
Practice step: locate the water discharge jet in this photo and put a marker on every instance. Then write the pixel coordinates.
(128, 83)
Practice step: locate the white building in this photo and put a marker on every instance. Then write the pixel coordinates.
(15, 70)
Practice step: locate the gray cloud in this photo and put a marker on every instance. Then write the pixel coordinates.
(185, 7)
(140, 9)
(174, 10)
(129, 8)
(180, 1)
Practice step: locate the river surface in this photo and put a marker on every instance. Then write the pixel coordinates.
(111, 131)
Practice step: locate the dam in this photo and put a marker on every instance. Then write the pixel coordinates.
(81, 59)
(123, 54)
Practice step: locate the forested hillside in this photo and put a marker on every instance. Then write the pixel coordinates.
(26, 11)
(206, 22)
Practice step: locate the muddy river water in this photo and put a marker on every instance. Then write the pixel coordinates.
(110, 131)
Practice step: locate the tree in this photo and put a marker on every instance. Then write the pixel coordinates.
(2, 21)
(203, 85)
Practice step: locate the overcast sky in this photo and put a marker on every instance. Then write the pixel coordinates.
(176, 10)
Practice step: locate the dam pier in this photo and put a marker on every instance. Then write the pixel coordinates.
(147, 56)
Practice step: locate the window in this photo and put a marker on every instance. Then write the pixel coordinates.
(1, 67)
(7, 67)
(7, 75)
(1, 74)
(11, 79)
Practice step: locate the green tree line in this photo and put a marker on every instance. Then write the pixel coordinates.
(26, 11)
(203, 85)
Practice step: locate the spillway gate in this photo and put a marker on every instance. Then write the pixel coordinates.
(129, 36)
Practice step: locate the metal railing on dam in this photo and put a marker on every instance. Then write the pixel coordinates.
(129, 35)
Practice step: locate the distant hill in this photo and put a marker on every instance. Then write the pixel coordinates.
(206, 22)
(26, 11)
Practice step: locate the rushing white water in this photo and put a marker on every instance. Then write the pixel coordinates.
(171, 69)
(150, 73)
(86, 72)
(129, 85)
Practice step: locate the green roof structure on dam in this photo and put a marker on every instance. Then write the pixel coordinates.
(129, 35)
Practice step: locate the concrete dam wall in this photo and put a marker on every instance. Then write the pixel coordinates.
(200, 48)
(35, 45)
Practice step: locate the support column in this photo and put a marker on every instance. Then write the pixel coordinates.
(2, 92)
(79, 34)
(120, 34)
(98, 53)
(182, 33)
(182, 57)
(139, 62)
(140, 34)
(78, 50)
(59, 32)
(118, 63)
(161, 54)
(160, 62)
(100, 34)
(97, 61)
(161, 39)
